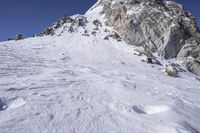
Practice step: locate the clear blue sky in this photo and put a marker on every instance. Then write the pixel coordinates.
(29, 17)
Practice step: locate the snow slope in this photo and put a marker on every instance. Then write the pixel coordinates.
(78, 84)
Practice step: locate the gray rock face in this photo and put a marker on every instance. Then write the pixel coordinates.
(190, 54)
(190, 49)
(150, 22)
(164, 26)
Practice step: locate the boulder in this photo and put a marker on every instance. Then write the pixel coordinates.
(85, 33)
(114, 36)
(171, 71)
(106, 38)
(97, 23)
(10, 39)
(193, 66)
(18, 37)
(48, 31)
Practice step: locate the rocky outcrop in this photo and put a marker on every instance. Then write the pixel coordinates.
(190, 50)
(97, 23)
(190, 54)
(18, 37)
(164, 26)
(152, 23)
(69, 24)
(193, 66)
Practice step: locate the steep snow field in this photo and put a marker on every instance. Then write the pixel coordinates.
(61, 85)
(79, 84)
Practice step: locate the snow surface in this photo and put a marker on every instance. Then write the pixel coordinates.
(78, 84)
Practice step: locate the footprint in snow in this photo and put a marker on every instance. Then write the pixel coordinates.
(11, 104)
(3, 104)
(149, 109)
(129, 85)
(65, 58)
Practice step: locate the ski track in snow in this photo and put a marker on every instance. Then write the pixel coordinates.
(55, 87)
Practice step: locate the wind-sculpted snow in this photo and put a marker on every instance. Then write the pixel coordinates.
(58, 84)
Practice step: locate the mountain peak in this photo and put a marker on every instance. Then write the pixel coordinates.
(159, 27)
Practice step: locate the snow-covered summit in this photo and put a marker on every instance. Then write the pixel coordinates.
(160, 28)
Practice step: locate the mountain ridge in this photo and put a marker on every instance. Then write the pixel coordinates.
(161, 27)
